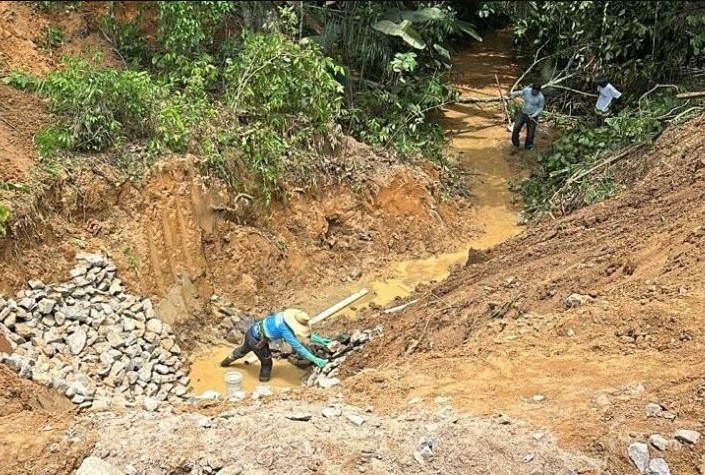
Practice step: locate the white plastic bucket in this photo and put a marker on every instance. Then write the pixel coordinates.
(233, 383)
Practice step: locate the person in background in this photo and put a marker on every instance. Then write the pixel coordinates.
(534, 103)
(606, 94)
(289, 325)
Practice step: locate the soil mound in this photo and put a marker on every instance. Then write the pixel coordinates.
(600, 313)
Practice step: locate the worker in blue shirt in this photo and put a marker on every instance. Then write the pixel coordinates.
(290, 325)
(534, 103)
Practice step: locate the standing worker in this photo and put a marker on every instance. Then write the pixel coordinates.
(534, 103)
(290, 325)
(606, 93)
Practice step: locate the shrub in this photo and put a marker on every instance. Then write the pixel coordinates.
(280, 95)
(52, 37)
(4, 218)
(396, 117)
(97, 105)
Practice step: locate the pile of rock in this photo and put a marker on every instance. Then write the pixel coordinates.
(639, 451)
(93, 341)
(336, 353)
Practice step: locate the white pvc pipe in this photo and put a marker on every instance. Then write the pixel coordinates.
(400, 307)
(339, 306)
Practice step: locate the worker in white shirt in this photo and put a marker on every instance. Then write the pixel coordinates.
(606, 93)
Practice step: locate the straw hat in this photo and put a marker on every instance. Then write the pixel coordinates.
(298, 322)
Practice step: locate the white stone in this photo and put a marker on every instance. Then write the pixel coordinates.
(332, 411)
(145, 373)
(151, 404)
(327, 383)
(210, 395)
(115, 340)
(76, 342)
(46, 306)
(161, 369)
(639, 454)
(659, 467)
(658, 442)
(95, 466)
(355, 419)
(262, 391)
(28, 303)
(129, 325)
(204, 422)
(687, 436)
(155, 325)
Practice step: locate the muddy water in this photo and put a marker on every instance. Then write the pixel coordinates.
(481, 142)
(206, 374)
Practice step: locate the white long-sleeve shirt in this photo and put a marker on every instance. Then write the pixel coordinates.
(605, 96)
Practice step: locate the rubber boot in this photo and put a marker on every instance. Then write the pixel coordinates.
(227, 361)
(265, 372)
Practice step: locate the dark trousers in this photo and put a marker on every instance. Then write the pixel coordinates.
(264, 354)
(530, 123)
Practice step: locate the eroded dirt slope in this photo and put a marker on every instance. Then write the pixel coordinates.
(507, 326)
(359, 210)
(34, 422)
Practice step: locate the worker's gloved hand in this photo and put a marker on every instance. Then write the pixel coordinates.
(319, 340)
(320, 362)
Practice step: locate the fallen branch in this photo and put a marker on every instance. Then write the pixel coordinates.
(603, 163)
(569, 89)
(690, 95)
(655, 88)
(472, 100)
(684, 113)
(531, 67)
(401, 307)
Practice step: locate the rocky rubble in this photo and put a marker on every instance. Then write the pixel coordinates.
(91, 340)
(232, 322)
(295, 436)
(638, 452)
(336, 353)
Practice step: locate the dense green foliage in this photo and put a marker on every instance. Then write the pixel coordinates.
(255, 88)
(563, 172)
(637, 44)
(400, 58)
(258, 89)
(99, 105)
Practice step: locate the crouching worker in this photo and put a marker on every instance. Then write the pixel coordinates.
(291, 325)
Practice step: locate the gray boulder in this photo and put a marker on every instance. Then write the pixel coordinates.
(687, 436)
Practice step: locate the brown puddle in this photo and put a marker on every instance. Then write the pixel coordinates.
(206, 373)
